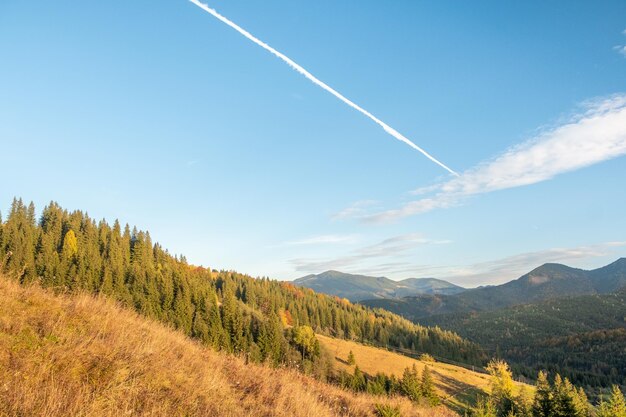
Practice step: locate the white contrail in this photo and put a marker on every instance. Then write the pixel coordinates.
(390, 130)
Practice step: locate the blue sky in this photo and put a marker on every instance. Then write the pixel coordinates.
(158, 114)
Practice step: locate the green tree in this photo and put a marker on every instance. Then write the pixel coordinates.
(563, 395)
(351, 359)
(501, 387)
(410, 384)
(378, 384)
(484, 408)
(615, 407)
(427, 388)
(542, 404)
(358, 382)
(524, 403)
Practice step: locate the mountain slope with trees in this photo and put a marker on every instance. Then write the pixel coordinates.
(69, 251)
(363, 287)
(582, 338)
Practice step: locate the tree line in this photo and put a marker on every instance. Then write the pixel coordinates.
(262, 319)
(556, 398)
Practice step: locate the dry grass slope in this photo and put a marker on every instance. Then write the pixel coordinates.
(81, 356)
(457, 386)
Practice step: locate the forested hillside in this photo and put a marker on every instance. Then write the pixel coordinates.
(583, 338)
(261, 318)
(79, 355)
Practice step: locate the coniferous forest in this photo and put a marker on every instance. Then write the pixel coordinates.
(262, 319)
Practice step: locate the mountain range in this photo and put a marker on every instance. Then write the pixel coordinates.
(362, 287)
(546, 282)
(558, 318)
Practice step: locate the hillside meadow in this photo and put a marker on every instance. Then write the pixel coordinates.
(458, 387)
(82, 355)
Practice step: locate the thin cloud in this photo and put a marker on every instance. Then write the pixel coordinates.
(621, 49)
(505, 269)
(323, 240)
(492, 272)
(390, 130)
(391, 248)
(597, 134)
(357, 209)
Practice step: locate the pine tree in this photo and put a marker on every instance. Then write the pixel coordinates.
(617, 404)
(523, 403)
(410, 384)
(351, 359)
(542, 405)
(501, 387)
(378, 385)
(581, 403)
(484, 408)
(427, 388)
(563, 398)
(604, 409)
(358, 382)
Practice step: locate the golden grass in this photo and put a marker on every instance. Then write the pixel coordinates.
(82, 356)
(457, 386)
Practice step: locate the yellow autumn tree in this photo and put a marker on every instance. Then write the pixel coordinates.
(70, 244)
(501, 386)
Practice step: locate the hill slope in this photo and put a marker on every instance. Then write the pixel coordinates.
(77, 355)
(457, 386)
(581, 337)
(69, 251)
(363, 287)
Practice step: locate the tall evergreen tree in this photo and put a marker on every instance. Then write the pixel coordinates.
(617, 404)
(501, 387)
(542, 405)
(427, 387)
(410, 384)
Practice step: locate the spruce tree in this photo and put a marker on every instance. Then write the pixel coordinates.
(351, 359)
(484, 408)
(501, 387)
(542, 405)
(563, 397)
(410, 384)
(427, 388)
(617, 404)
(358, 382)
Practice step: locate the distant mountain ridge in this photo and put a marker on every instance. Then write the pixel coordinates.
(546, 282)
(362, 287)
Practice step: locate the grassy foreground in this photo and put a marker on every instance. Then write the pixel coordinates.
(84, 356)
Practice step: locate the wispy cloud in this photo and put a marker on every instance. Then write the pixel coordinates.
(621, 49)
(297, 67)
(595, 135)
(391, 248)
(357, 209)
(505, 269)
(491, 272)
(323, 240)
